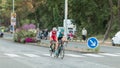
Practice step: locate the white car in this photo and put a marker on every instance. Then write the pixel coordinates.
(116, 39)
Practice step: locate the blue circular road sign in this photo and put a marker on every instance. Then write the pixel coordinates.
(92, 42)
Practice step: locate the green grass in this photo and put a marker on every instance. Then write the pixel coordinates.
(96, 50)
(101, 37)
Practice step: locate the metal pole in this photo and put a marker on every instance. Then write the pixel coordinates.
(13, 25)
(66, 13)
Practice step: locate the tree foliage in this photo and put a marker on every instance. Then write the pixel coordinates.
(94, 15)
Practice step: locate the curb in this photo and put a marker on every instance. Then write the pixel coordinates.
(66, 48)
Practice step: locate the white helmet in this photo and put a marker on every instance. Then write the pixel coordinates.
(54, 29)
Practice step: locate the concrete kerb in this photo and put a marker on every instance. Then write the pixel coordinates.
(100, 42)
(81, 50)
(47, 45)
(66, 48)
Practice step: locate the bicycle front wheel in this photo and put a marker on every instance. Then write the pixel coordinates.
(62, 52)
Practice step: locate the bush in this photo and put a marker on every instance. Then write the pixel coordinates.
(25, 34)
(28, 40)
(22, 40)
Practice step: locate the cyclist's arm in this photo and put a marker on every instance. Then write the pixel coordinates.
(58, 34)
(50, 35)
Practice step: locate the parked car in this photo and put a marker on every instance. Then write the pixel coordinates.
(116, 39)
(1, 33)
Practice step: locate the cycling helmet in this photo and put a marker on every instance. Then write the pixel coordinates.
(54, 29)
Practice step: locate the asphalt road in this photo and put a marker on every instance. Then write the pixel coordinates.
(15, 55)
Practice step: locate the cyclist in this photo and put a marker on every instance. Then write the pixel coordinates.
(53, 37)
(60, 36)
(57, 36)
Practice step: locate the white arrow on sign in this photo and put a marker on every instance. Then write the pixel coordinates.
(93, 43)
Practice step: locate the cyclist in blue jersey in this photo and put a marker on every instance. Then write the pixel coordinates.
(60, 37)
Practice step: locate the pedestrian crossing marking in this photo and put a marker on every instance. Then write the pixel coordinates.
(93, 55)
(12, 55)
(31, 55)
(72, 55)
(46, 54)
(108, 54)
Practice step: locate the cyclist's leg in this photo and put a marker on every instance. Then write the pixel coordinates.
(51, 49)
(61, 49)
(64, 38)
(56, 39)
(64, 41)
(56, 48)
(51, 43)
(59, 45)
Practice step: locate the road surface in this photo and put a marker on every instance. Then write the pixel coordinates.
(15, 55)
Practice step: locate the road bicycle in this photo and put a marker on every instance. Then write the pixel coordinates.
(61, 49)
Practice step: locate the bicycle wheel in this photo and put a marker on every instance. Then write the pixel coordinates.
(50, 52)
(62, 52)
(52, 49)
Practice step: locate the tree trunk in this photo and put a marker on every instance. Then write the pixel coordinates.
(18, 20)
(110, 22)
(119, 12)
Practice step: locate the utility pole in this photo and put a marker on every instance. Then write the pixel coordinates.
(13, 18)
(65, 20)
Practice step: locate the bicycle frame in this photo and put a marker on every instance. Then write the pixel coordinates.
(60, 49)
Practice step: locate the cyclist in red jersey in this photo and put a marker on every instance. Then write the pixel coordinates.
(53, 36)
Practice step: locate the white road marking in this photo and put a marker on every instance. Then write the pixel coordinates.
(31, 55)
(46, 54)
(93, 55)
(118, 53)
(108, 54)
(72, 55)
(12, 55)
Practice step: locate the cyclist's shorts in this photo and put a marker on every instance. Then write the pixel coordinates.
(60, 38)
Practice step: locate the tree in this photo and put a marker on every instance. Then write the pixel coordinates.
(119, 12)
(95, 15)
